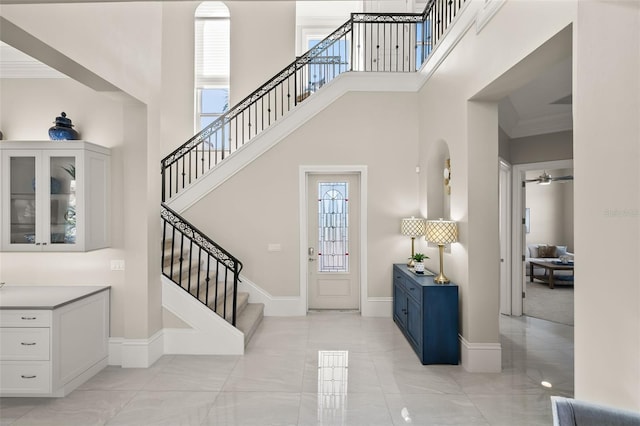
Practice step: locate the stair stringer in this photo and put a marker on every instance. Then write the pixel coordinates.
(274, 306)
(209, 334)
(296, 118)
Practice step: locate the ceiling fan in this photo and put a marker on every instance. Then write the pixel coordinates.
(545, 179)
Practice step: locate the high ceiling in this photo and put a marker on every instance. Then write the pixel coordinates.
(542, 106)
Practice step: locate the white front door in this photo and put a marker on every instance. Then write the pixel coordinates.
(334, 241)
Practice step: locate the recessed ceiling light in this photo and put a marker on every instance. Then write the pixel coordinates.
(546, 384)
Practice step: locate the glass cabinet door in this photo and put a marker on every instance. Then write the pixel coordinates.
(22, 193)
(54, 196)
(62, 204)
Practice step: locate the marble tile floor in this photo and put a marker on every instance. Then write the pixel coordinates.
(367, 375)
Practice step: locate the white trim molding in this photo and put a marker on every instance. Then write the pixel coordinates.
(208, 334)
(480, 357)
(292, 306)
(377, 307)
(274, 306)
(304, 172)
(136, 353)
(490, 8)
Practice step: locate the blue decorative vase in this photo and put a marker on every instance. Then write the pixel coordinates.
(63, 130)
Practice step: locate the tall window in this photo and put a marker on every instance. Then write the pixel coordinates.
(212, 62)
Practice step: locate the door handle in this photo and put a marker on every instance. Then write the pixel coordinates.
(311, 251)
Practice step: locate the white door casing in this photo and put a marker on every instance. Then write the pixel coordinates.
(368, 306)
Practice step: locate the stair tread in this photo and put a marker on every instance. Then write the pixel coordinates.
(241, 302)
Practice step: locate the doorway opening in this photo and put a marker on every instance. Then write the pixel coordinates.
(546, 214)
(547, 219)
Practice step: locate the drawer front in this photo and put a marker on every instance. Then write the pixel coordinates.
(413, 289)
(27, 377)
(399, 279)
(25, 318)
(24, 344)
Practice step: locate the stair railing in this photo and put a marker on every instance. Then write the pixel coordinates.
(192, 260)
(368, 42)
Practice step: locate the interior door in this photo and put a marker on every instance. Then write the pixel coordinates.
(334, 239)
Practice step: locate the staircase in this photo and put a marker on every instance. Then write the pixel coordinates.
(207, 272)
(368, 42)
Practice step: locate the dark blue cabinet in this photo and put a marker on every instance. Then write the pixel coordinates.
(427, 314)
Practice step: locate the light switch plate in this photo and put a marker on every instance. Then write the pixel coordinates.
(117, 265)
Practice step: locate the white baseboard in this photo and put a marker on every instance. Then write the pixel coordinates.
(274, 306)
(480, 357)
(377, 307)
(136, 353)
(209, 334)
(294, 306)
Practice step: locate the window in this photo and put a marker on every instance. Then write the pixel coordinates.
(333, 227)
(212, 27)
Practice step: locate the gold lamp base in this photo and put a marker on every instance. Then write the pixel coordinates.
(441, 278)
(411, 263)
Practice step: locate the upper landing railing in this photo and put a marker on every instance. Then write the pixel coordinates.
(368, 42)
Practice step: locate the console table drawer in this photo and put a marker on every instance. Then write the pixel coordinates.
(25, 318)
(25, 377)
(22, 344)
(413, 290)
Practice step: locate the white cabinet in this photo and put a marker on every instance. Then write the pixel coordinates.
(54, 196)
(52, 339)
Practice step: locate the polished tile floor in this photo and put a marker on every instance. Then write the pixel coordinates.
(323, 369)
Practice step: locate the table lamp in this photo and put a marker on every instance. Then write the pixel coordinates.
(441, 232)
(412, 227)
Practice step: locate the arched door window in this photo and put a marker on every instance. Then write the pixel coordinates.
(212, 27)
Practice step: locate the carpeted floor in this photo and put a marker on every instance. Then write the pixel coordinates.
(549, 304)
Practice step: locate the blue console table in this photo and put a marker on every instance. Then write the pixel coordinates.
(427, 314)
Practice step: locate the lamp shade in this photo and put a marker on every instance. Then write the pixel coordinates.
(441, 231)
(413, 227)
